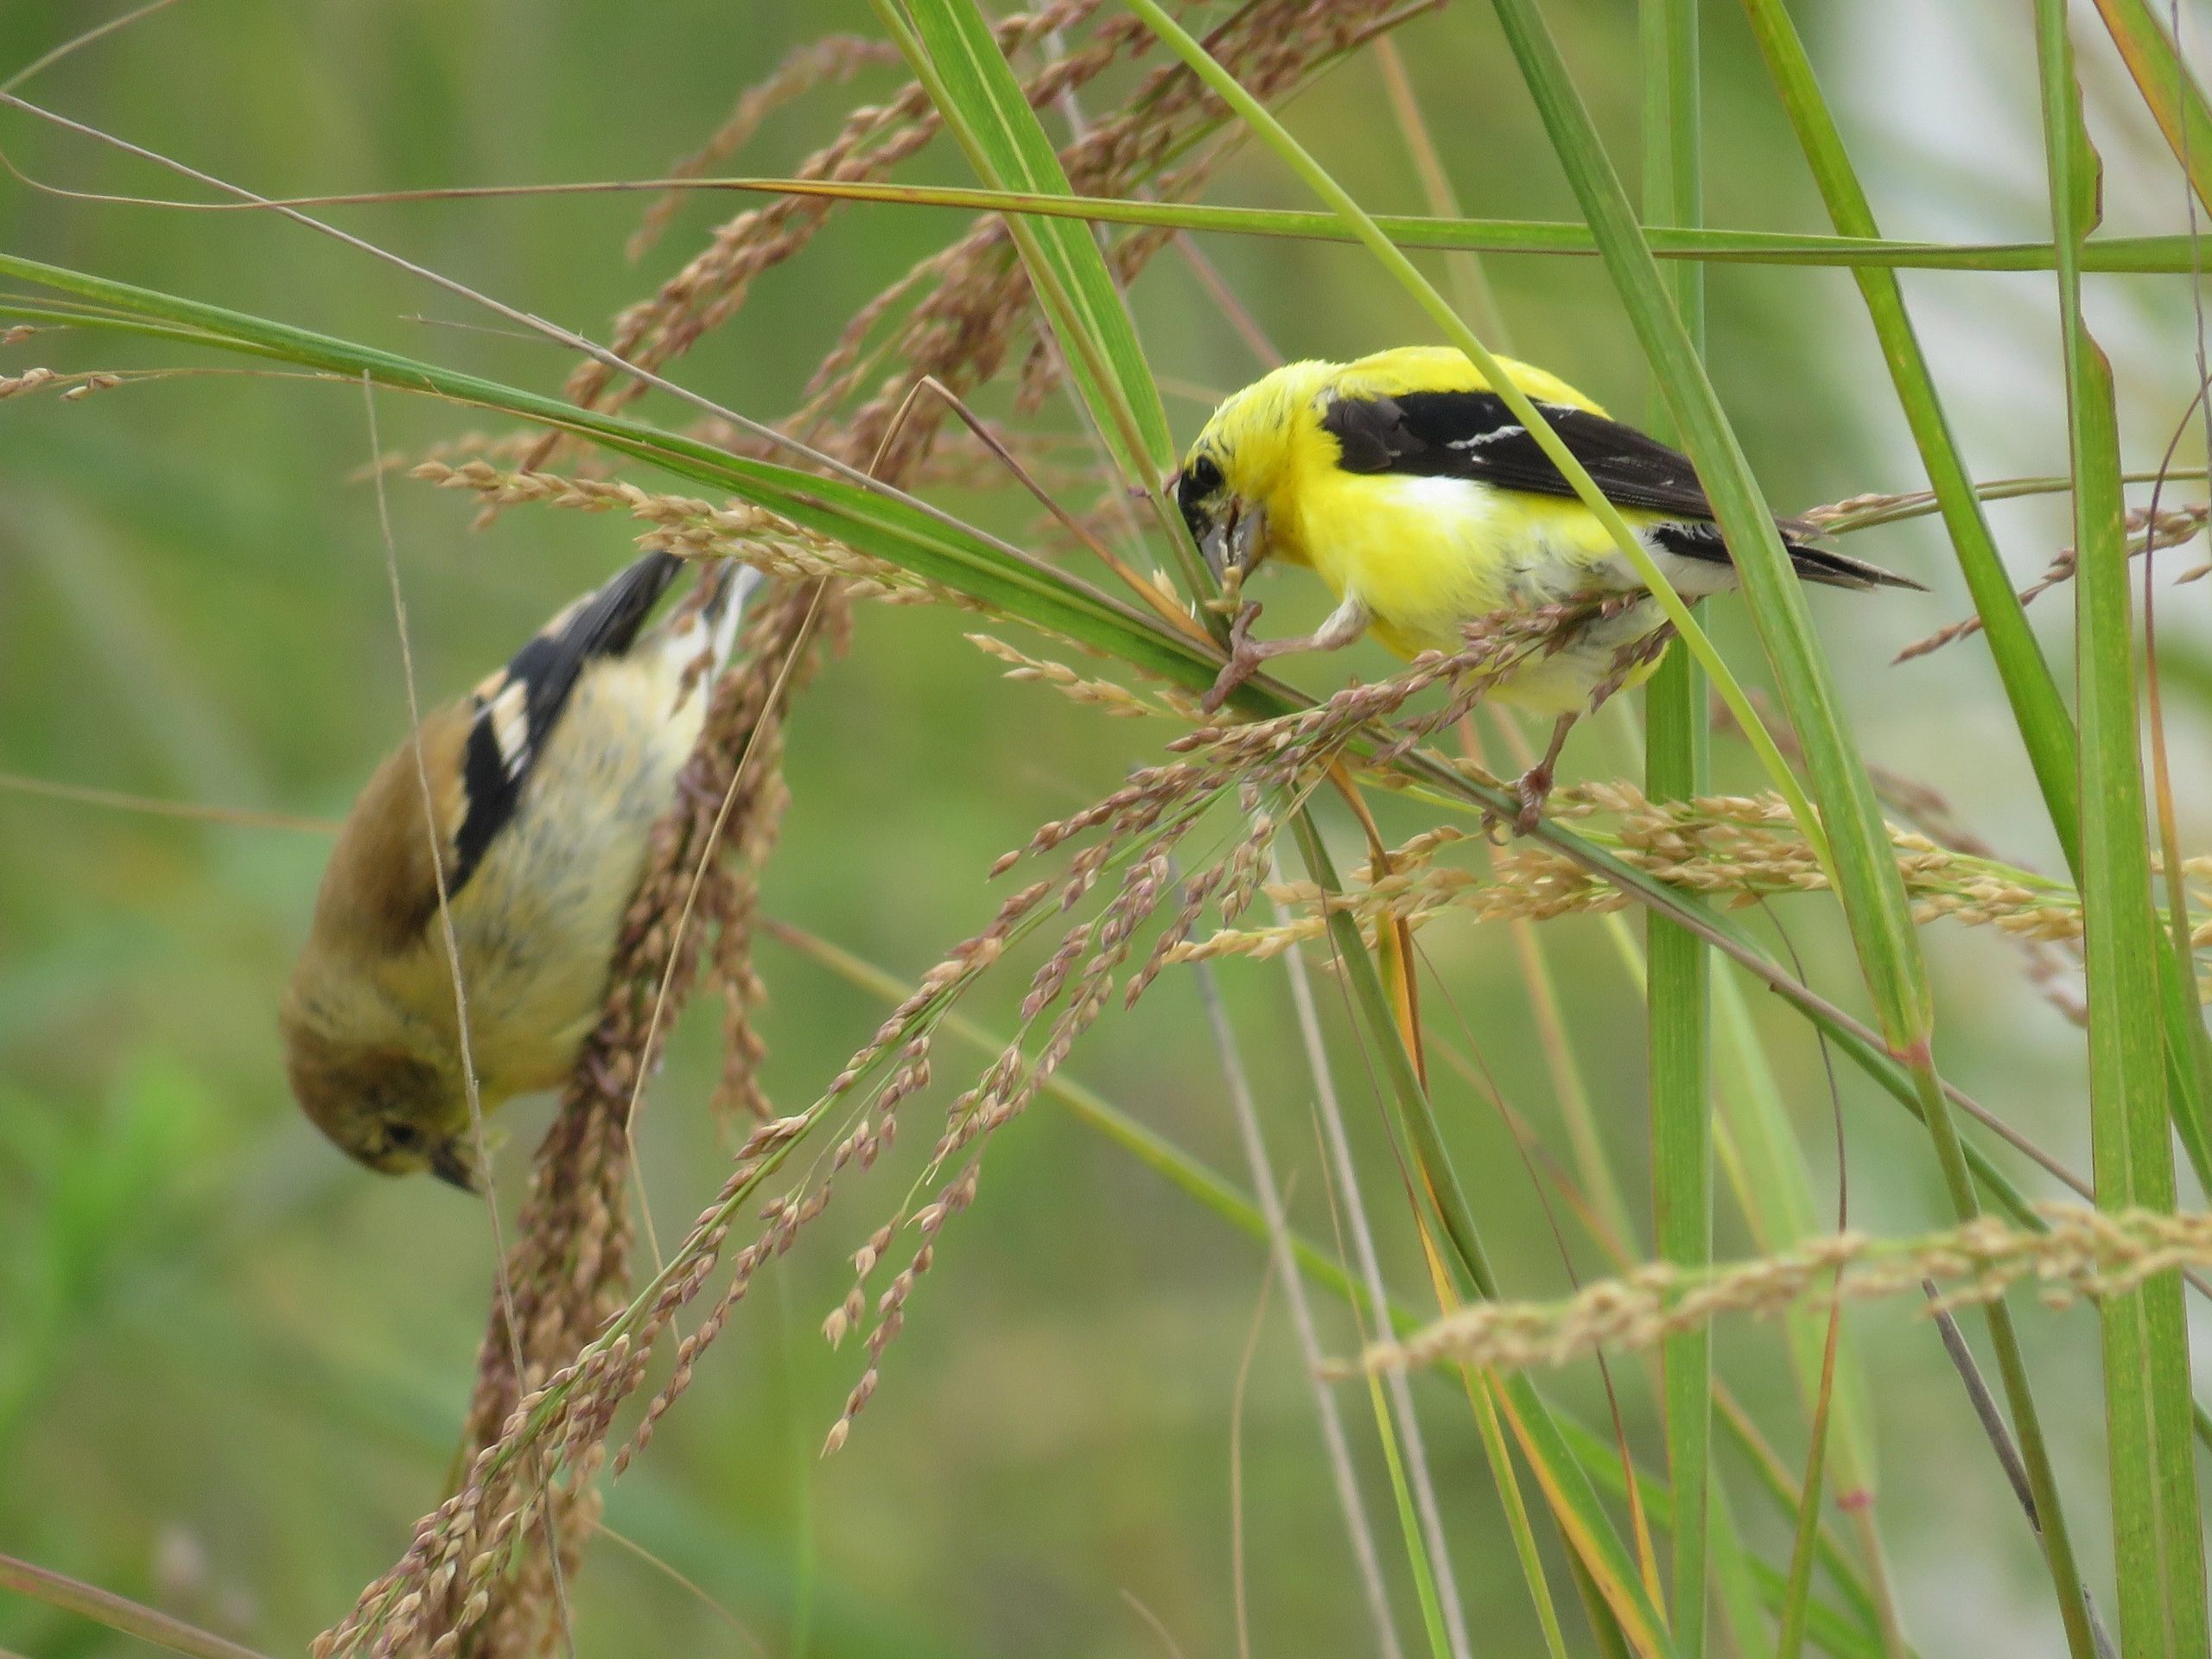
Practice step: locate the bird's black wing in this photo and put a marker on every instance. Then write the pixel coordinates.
(514, 710)
(1473, 435)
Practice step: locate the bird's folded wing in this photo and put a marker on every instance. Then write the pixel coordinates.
(1473, 435)
(514, 710)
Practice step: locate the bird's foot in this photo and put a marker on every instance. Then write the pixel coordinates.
(1533, 789)
(1245, 656)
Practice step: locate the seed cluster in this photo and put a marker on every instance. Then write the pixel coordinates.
(2083, 1253)
(1735, 848)
(2147, 532)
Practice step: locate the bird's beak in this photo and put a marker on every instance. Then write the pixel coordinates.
(455, 1166)
(1233, 541)
(1215, 548)
(1246, 526)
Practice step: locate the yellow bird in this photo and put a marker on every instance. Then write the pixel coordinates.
(1404, 481)
(544, 785)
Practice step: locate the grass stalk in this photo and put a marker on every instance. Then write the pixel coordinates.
(117, 1612)
(1677, 766)
(2154, 255)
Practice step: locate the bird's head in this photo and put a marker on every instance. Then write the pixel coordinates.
(383, 1104)
(1246, 456)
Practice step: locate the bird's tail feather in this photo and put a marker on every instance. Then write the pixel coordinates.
(1701, 540)
(1833, 569)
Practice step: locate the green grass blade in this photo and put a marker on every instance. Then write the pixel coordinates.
(1774, 1189)
(1797, 1591)
(2157, 1535)
(1574, 1506)
(1678, 1023)
(1868, 881)
(1742, 1629)
(1432, 1610)
(874, 520)
(1525, 1551)
(951, 48)
(2175, 101)
(2038, 710)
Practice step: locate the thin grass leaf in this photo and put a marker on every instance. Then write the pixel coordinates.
(2157, 1532)
(873, 519)
(1516, 1511)
(1678, 1027)
(117, 1612)
(1742, 1629)
(1432, 1610)
(2152, 255)
(1774, 1190)
(1797, 1591)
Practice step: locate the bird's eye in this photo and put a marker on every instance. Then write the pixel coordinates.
(1200, 482)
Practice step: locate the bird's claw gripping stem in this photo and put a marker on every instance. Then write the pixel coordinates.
(1245, 656)
(1532, 789)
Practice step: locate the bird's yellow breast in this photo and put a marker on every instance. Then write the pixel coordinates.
(1426, 556)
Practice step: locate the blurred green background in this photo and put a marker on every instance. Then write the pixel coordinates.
(232, 1366)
